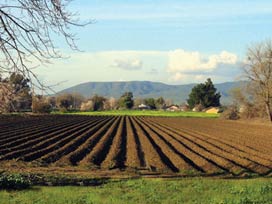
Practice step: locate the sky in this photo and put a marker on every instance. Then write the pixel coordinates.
(169, 41)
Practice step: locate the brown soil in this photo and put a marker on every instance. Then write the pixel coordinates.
(101, 146)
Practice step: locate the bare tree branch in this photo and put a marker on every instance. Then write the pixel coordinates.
(26, 32)
(258, 70)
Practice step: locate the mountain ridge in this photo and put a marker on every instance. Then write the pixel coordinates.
(146, 89)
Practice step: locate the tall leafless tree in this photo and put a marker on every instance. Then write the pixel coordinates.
(258, 70)
(26, 33)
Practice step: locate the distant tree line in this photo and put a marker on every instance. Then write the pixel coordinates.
(125, 102)
(20, 98)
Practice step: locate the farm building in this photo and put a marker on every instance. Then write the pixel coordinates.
(212, 110)
(173, 108)
(184, 108)
(198, 108)
(143, 107)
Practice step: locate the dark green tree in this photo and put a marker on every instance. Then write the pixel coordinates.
(160, 102)
(98, 102)
(126, 100)
(204, 94)
(150, 102)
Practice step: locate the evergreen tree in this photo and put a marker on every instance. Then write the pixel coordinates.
(204, 94)
(126, 100)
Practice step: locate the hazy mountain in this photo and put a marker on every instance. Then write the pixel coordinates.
(144, 89)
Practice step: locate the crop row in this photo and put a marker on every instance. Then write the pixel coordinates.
(139, 143)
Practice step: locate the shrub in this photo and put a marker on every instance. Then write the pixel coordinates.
(87, 106)
(253, 110)
(14, 181)
(198, 108)
(63, 110)
(41, 106)
(231, 113)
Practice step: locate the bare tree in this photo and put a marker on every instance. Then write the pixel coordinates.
(113, 103)
(26, 32)
(258, 70)
(6, 95)
(168, 102)
(87, 106)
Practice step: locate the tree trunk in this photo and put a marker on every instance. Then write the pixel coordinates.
(269, 111)
(270, 116)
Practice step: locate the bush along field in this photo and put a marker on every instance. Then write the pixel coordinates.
(14, 181)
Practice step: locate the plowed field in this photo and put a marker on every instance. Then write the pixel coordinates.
(144, 145)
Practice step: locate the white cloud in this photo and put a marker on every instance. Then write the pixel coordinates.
(184, 61)
(129, 53)
(128, 64)
(200, 77)
(188, 78)
(179, 67)
(178, 77)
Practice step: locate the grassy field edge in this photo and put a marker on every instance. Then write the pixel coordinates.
(146, 113)
(185, 190)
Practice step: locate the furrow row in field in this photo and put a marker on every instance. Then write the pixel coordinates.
(242, 151)
(140, 144)
(153, 160)
(135, 155)
(239, 161)
(57, 145)
(197, 152)
(253, 131)
(72, 145)
(74, 157)
(256, 139)
(101, 149)
(258, 143)
(201, 151)
(191, 160)
(35, 129)
(11, 131)
(12, 123)
(258, 158)
(35, 123)
(178, 159)
(117, 153)
(37, 138)
(15, 142)
(161, 161)
(56, 140)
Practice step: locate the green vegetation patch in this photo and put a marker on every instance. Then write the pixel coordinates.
(189, 191)
(148, 113)
(14, 181)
